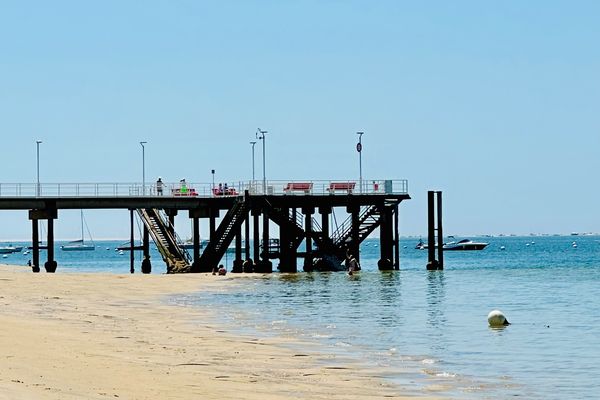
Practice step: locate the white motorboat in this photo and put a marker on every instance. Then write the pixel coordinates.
(465, 244)
(423, 245)
(10, 249)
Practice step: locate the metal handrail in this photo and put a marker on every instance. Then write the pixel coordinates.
(330, 187)
(171, 230)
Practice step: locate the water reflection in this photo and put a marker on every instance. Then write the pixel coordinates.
(436, 317)
(389, 288)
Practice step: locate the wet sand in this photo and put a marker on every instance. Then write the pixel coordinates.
(99, 336)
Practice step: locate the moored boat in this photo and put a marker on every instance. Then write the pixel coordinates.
(77, 245)
(10, 249)
(465, 244)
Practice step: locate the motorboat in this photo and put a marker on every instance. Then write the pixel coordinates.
(7, 249)
(465, 244)
(422, 245)
(10, 249)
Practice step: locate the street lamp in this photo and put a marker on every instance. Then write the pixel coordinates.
(262, 137)
(212, 171)
(359, 149)
(253, 144)
(143, 168)
(38, 191)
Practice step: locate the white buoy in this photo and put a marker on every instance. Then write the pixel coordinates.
(502, 248)
(496, 318)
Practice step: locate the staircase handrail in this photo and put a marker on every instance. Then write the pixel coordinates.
(176, 239)
(344, 230)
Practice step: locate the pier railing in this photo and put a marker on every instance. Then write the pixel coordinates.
(224, 189)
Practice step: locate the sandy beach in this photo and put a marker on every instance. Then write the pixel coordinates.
(98, 336)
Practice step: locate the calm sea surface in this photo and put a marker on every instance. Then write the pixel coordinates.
(427, 331)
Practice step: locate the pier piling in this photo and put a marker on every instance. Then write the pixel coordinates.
(131, 241)
(432, 263)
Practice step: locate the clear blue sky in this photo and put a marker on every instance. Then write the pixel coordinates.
(495, 103)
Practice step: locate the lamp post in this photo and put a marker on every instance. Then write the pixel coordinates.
(143, 168)
(253, 144)
(37, 143)
(262, 137)
(212, 189)
(359, 149)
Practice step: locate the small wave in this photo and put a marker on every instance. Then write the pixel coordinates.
(343, 344)
(445, 375)
(320, 336)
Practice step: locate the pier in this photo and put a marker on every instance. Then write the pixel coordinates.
(245, 212)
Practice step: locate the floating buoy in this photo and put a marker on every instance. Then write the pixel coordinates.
(496, 318)
(502, 248)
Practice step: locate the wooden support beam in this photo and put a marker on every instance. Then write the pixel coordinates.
(325, 213)
(35, 242)
(396, 238)
(440, 231)
(308, 257)
(430, 227)
(247, 236)
(132, 239)
(196, 239)
(50, 265)
(255, 226)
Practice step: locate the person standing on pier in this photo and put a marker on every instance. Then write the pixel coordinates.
(159, 186)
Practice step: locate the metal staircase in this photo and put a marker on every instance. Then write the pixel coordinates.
(368, 220)
(215, 249)
(177, 259)
(287, 222)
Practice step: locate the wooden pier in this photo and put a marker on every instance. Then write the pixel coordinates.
(244, 212)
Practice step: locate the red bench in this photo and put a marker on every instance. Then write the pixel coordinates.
(189, 192)
(224, 192)
(305, 187)
(346, 186)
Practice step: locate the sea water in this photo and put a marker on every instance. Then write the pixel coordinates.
(427, 330)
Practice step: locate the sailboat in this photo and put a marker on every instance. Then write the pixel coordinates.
(78, 245)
